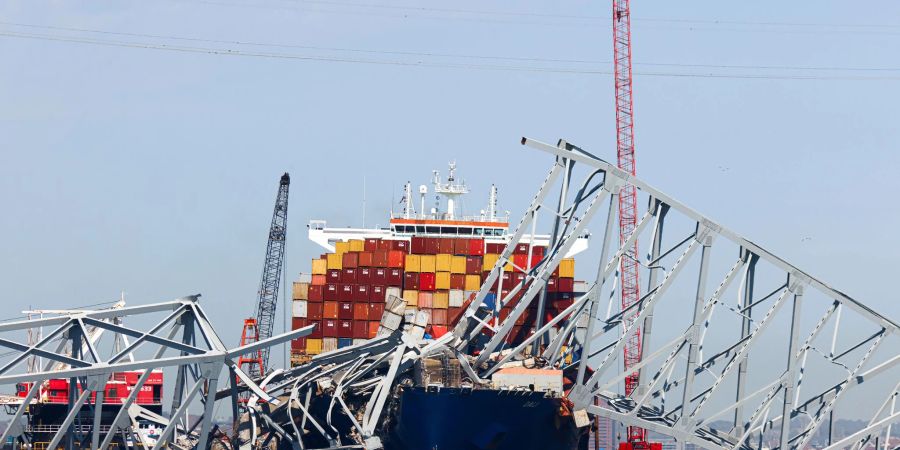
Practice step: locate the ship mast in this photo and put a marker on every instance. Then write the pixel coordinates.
(451, 190)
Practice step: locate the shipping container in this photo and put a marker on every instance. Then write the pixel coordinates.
(432, 245)
(364, 275)
(442, 262)
(473, 265)
(334, 275)
(357, 245)
(330, 310)
(360, 311)
(350, 260)
(314, 311)
(395, 259)
(319, 266)
(379, 276)
(329, 328)
(329, 344)
(371, 244)
(373, 328)
(455, 298)
(458, 264)
(426, 281)
(417, 245)
(489, 261)
(454, 314)
(413, 263)
(552, 284)
(335, 261)
(457, 281)
(445, 245)
(520, 262)
(411, 280)
(425, 300)
(360, 329)
(461, 247)
(427, 263)
(349, 275)
(365, 259)
(313, 346)
(473, 282)
(299, 308)
(380, 258)
(345, 310)
(332, 292)
(394, 277)
(566, 268)
(476, 247)
(316, 293)
(360, 293)
(438, 330)
(494, 247)
(346, 342)
(441, 300)
(566, 285)
(442, 280)
(341, 247)
(345, 329)
(411, 296)
(300, 291)
(376, 293)
(439, 316)
(385, 245)
(318, 331)
(359, 341)
(376, 310)
(400, 245)
(298, 323)
(392, 291)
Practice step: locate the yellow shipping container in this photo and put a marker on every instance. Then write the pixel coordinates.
(357, 245)
(442, 262)
(489, 261)
(567, 268)
(508, 267)
(473, 282)
(319, 266)
(411, 297)
(413, 263)
(458, 264)
(427, 263)
(335, 261)
(313, 346)
(341, 247)
(441, 300)
(442, 280)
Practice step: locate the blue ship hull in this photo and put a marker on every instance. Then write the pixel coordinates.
(457, 419)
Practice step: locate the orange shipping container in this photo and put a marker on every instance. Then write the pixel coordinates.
(426, 299)
(319, 266)
(373, 328)
(473, 282)
(360, 311)
(395, 259)
(318, 280)
(330, 310)
(350, 260)
(365, 259)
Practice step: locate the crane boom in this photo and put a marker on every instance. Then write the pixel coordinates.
(267, 296)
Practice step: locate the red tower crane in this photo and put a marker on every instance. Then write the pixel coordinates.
(630, 288)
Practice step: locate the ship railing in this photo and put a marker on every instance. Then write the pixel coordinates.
(56, 428)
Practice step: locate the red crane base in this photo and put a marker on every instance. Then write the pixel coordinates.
(640, 445)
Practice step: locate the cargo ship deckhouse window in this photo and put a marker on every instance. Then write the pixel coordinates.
(479, 231)
(435, 230)
(420, 229)
(449, 230)
(465, 230)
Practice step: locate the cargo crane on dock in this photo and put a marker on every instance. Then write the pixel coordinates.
(262, 325)
(629, 266)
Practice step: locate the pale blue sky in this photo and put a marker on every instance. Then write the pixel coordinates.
(154, 171)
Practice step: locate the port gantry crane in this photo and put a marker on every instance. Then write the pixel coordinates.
(629, 266)
(261, 327)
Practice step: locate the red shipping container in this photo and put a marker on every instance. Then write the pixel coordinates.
(461, 247)
(298, 323)
(345, 310)
(329, 328)
(517, 278)
(380, 258)
(394, 278)
(566, 285)
(552, 284)
(349, 275)
(473, 265)
(365, 259)
(438, 330)
(476, 247)
(411, 280)
(373, 329)
(360, 311)
(399, 245)
(439, 316)
(520, 262)
(457, 281)
(563, 296)
(351, 259)
(345, 329)
(361, 294)
(330, 310)
(385, 244)
(377, 293)
(345, 292)
(445, 246)
(316, 293)
(504, 313)
(432, 246)
(536, 259)
(371, 244)
(314, 311)
(520, 249)
(360, 329)
(454, 314)
(562, 303)
(396, 258)
(297, 345)
(317, 331)
(333, 276)
(376, 310)
(417, 245)
(379, 276)
(364, 275)
(495, 247)
(426, 281)
(332, 293)
(318, 280)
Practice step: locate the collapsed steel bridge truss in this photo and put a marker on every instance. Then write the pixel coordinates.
(731, 358)
(73, 350)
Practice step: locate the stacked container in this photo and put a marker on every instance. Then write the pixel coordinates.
(346, 292)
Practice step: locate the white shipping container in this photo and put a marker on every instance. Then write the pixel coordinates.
(395, 304)
(391, 321)
(329, 344)
(518, 377)
(422, 318)
(456, 298)
(393, 290)
(299, 308)
(359, 341)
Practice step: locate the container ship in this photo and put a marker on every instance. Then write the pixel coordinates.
(435, 263)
